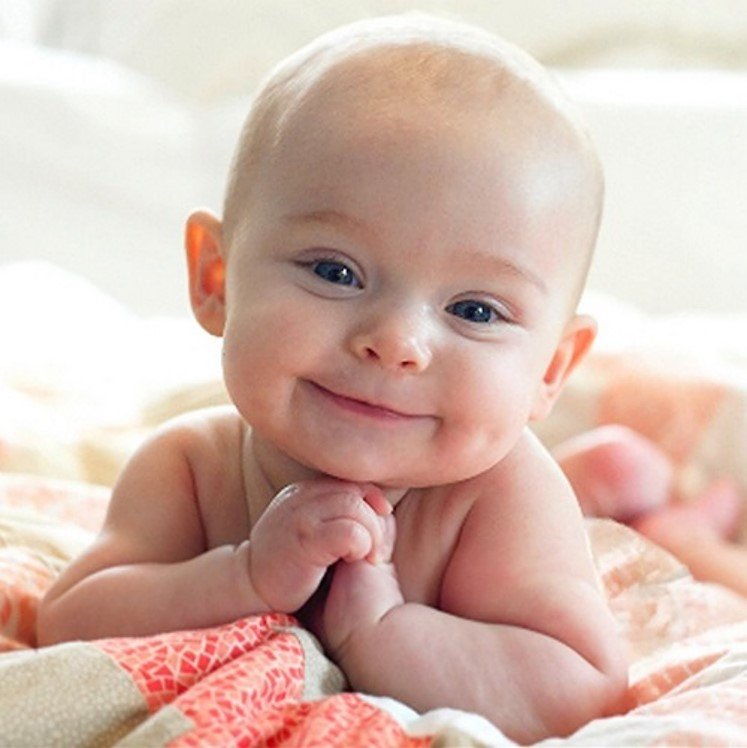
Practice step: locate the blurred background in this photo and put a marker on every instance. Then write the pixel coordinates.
(117, 117)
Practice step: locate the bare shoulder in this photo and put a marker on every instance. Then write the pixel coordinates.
(159, 511)
(527, 473)
(525, 484)
(210, 439)
(204, 429)
(206, 446)
(175, 478)
(523, 525)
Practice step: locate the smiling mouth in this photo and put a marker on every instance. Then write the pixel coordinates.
(361, 407)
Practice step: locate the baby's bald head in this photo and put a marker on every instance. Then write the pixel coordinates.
(386, 68)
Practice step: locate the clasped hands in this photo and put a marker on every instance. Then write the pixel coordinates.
(313, 525)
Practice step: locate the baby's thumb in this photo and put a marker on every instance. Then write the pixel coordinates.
(388, 537)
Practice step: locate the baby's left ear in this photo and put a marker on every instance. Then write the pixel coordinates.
(577, 338)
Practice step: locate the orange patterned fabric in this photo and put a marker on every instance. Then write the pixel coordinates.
(243, 684)
(34, 544)
(247, 683)
(237, 685)
(166, 666)
(23, 580)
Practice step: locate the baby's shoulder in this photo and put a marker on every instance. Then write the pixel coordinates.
(211, 442)
(212, 435)
(205, 421)
(529, 466)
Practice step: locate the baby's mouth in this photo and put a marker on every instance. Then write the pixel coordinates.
(362, 407)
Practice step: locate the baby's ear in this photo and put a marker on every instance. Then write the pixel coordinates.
(577, 338)
(206, 270)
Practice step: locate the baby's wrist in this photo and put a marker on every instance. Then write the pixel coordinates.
(356, 654)
(249, 592)
(360, 634)
(345, 650)
(281, 588)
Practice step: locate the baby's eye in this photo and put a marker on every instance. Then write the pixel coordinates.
(336, 272)
(475, 311)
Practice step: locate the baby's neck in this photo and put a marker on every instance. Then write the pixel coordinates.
(268, 470)
(275, 469)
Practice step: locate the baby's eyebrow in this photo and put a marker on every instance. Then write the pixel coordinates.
(487, 261)
(334, 217)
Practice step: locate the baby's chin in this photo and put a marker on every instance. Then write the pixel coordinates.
(391, 471)
(391, 479)
(378, 476)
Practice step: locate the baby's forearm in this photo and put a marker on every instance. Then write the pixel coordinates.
(142, 599)
(527, 683)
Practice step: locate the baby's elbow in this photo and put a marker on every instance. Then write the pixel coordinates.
(50, 629)
(612, 688)
(609, 666)
(594, 691)
(45, 626)
(602, 669)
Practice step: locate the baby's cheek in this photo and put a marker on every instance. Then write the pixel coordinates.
(244, 373)
(476, 439)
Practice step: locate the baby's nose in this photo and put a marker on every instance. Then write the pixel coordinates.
(398, 341)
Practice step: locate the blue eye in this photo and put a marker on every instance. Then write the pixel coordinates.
(335, 272)
(474, 311)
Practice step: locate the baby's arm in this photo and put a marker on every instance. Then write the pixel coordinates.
(522, 635)
(152, 569)
(149, 569)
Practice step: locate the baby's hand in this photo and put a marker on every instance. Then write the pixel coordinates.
(307, 527)
(361, 594)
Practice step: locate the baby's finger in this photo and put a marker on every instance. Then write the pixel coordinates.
(374, 497)
(342, 538)
(358, 505)
(368, 506)
(382, 550)
(390, 536)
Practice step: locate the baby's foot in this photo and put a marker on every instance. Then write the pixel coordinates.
(714, 514)
(616, 472)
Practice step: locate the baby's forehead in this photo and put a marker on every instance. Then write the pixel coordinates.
(410, 68)
(401, 70)
(420, 91)
(438, 74)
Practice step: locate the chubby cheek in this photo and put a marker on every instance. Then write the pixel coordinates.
(488, 408)
(240, 365)
(257, 359)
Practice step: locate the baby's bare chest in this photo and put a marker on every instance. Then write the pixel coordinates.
(232, 495)
(428, 527)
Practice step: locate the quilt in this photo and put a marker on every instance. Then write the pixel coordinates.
(264, 681)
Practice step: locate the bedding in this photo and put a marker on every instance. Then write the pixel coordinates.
(264, 681)
(81, 387)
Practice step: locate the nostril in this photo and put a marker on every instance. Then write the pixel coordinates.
(395, 352)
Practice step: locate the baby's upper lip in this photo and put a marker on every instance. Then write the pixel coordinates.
(388, 407)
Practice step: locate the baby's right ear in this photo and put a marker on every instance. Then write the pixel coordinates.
(206, 270)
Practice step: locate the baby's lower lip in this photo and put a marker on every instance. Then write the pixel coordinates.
(358, 406)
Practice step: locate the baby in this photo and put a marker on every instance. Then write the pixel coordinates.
(407, 229)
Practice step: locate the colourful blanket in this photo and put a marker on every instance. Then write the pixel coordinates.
(265, 681)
